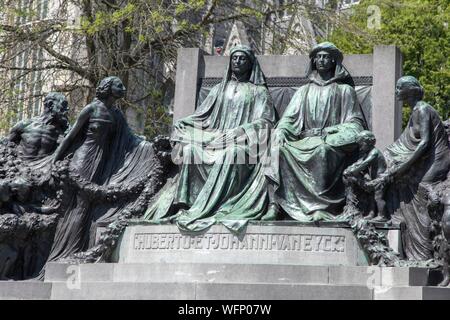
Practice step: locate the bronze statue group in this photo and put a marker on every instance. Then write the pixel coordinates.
(237, 160)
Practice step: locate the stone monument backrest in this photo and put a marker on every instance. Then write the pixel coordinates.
(374, 75)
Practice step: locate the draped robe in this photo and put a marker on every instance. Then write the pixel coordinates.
(215, 183)
(408, 195)
(308, 173)
(106, 153)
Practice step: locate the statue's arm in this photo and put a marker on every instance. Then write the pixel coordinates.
(263, 119)
(351, 121)
(18, 209)
(352, 116)
(290, 124)
(16, 132)
(41, 209)
(364, 163)
(264, 114)
(82, 119)
(63, 133)
(425, 139)
(199, 115)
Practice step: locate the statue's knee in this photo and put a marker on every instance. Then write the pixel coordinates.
(190, 154)
(188, 149)
(234, 151)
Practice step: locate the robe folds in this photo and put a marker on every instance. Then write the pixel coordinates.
(107, 154)
(408, 197)
(219, 179)
(215, 183)
(308, 174)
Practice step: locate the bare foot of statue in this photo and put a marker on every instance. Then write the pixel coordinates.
(272, 213)
(370, 216)
(179, 208)
(446, 280)
(322, 215)
(379, 219)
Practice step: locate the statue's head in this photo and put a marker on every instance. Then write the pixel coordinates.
(447, 127)
(366, 140)
(242, 59)
(324, 62)
(55, 104)
(240, 64)
(325, 56)
(110, 86)
(408, 87)
(243, 66)
(21, 187)
(326, 65)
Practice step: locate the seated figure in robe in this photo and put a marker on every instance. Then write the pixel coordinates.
(316, 140)
(214, 147)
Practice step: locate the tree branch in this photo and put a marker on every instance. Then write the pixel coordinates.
(72, 64)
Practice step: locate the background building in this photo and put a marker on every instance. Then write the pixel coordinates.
(32, 68)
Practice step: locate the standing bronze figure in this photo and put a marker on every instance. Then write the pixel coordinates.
(417, 162)
(102, 153)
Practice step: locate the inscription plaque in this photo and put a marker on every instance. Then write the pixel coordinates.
(224, 241)
(260, 244)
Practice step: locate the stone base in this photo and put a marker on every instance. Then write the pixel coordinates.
(210, 291)
(202, 281)
(235, 273)
(25, 290)
(239, 291)
(277, 261)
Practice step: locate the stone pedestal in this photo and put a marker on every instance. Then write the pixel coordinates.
(203, 281)
(277, 261)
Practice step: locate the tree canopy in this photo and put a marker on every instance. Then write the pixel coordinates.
(69, 46)
(419, 28)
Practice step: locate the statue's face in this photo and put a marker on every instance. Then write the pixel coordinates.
(401, 92)
(447, 127)
(324, 61)
(57, 106)
(118, 90)
(240, 63)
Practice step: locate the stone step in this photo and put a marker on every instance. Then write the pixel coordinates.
(236, 273)
(25, 290)
(208, 291)
(243, 291)
(411, 293)
(10, 290)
